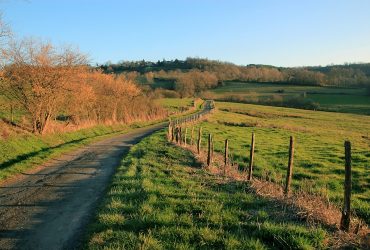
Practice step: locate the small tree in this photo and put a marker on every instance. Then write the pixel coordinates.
(38, 76)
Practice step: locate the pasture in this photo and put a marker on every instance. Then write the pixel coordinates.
(319, 151)
(349, 100)
(175, 104)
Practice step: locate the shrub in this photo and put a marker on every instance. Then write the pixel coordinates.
(165, 93)
(300, 102)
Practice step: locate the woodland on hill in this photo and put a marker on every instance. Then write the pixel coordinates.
(194, 75)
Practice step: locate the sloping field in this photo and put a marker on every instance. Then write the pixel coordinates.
(319, 149)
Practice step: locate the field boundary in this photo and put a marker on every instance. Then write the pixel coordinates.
(310, 207)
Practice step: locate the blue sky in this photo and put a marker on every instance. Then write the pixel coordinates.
(281, 33)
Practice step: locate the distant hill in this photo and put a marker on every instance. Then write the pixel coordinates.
(197, 74)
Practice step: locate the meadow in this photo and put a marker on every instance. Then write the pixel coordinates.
(319, 150)
(349, 100)
(176, 104)
(160, 198)
(177, 107)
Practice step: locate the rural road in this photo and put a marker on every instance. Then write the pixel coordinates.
(49, 209)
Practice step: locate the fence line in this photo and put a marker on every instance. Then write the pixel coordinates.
(209, 105)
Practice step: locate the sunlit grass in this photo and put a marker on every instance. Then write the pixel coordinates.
(319, 150)
(175, 104)
(167, 202)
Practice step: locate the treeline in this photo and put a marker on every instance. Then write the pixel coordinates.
(51, 85)
(186, 79)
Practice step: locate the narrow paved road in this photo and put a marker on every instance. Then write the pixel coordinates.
(49, 209)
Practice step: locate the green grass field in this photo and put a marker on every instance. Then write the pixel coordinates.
(319, 151)
(160, 199)
(350, 100)
(180, 106)
(175, 104)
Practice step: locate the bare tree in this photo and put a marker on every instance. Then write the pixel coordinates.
(38, 76)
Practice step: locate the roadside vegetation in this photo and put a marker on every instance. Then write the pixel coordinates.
(25, 151)
(161, 199)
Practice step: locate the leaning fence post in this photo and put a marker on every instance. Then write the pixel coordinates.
(251, 157)
(209, 156)
(199, 139)
(346, 212)
(290, 166)
(226, 156)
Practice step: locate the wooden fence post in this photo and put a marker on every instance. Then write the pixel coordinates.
(169, 131)
(199, 139)
(346, 212)
(226, 156)
(290, 166)
(192, 136)
(251, 157)
(177, 134)
(186, 134)
(212, 146)
(180, 137)
(209, 156)
(173, 132)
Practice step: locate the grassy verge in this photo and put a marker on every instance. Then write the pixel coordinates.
(22, 152)
(319, 150)
(159, 200)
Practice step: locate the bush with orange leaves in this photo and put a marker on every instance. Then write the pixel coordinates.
(48, 82)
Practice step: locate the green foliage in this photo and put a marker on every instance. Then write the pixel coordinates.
(159, 199)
